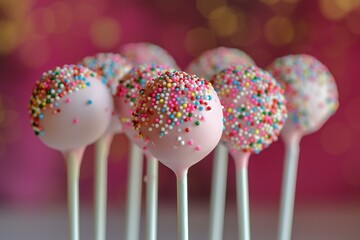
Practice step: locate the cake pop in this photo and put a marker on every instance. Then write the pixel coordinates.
(206, 65)
(255, 112)
(173, 115)
(110, 68)
(216, 59)
(70, 108)
(312, 97)
(126, 95)
(147, 53)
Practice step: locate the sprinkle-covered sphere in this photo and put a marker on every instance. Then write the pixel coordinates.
(180, 118)
(110, 67)
(254, 108)
(217, 59)
(147, 53)
(310, 91)
(128, 92)
(70, 107)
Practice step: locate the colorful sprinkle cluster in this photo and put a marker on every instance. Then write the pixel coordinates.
(54, 85)
(254, 107)
(171, 100)
(135, 80)
(109, 66)
(309, 87)
(217, 59)
(147, 53)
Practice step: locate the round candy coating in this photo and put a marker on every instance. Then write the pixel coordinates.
(310, 91)
(110, 67)
(70, 107)
(217, 59)
(147, 53)
(128, 92)
(254, 108)
(180, 118)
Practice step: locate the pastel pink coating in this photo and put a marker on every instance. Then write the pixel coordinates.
(110, 67)
(76, 116)
(180, 118)
(128, 91)
(214, 60)
(310, 91)
(254, 108)
(147, 53)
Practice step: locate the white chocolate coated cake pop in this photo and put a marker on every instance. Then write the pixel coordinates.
(214, 60)
(180, 118)
(70, 107)
(254, 108)
(110, 67)
(310, 91)
(128, 91)
(147, 53)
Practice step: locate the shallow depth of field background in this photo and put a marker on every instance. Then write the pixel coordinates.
(36, 35)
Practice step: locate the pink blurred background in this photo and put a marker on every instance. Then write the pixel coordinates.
(36, 35)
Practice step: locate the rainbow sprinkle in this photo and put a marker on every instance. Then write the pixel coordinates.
(54, 85)
(135, 80)
(254, 107)
(214, 60)
(147, 53)
(109, 66)
(170, 100)
(303, 77)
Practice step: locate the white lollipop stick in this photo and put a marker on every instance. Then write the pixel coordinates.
(218, 193)
(151, 197)
(102, 148)
(134, 193)
(182, 205)
(241, 166)
(289, 187)
(73, 160)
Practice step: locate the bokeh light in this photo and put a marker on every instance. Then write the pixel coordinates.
(198, 40)
(205, 7)
(223, 21)
(279, 31)
(105, 33)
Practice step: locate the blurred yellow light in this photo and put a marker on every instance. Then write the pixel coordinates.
(205, 7)
(337, 9)
(105, 32)
(198, 40)
(269, 2)
(8, 36)
(248, 32)
(224, 21)
(279, 31)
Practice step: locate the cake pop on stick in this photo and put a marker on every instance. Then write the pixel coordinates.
(70, 108)
(206, 65)
(147, 53)
(173, 116)
(312, 97)
(110, 67)
(254, 110)
(126, 95)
